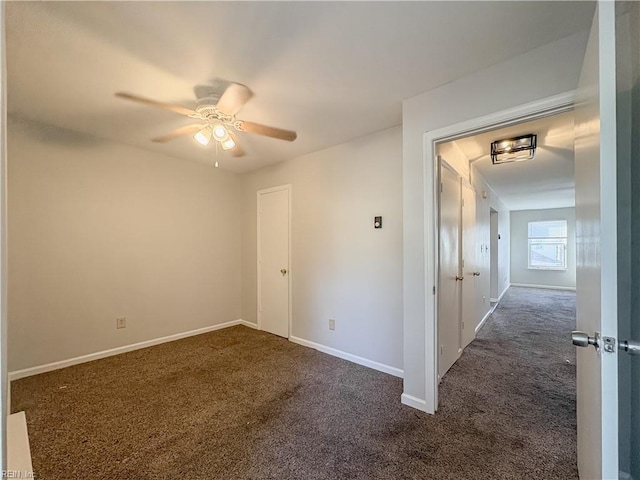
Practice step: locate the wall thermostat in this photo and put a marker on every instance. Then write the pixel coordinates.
(377, 222)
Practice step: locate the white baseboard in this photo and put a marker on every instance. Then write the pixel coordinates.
(27, 372)
(347, 356)
(624, 475)
(414, 402)
(504, 291)
(549, 287)
(247, 324)
(484, 319)
(495, 302)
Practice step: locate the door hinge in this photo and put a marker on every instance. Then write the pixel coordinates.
(434, 289)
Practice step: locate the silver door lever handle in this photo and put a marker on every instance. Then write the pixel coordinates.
(629, 346)
(476, 274)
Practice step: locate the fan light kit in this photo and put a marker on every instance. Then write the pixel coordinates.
(217, 106)
(203, 136)
(514, 149)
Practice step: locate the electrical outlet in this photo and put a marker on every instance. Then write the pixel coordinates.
(332, 324)
(121, 322)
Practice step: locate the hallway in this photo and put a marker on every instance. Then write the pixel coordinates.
(517, 380)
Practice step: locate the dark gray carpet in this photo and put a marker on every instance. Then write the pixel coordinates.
(243, 404)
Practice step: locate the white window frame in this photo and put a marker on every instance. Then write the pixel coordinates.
(562, 240)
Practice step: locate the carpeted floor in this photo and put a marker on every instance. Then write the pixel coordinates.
(243, 404)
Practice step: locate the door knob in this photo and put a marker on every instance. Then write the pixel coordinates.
(581, 339)
(476, 274)
(629, 346)
(283, 271)
(458, 278)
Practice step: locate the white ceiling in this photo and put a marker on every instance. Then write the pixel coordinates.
(547, 181)
(333, 71)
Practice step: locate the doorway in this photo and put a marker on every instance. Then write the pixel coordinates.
(540, 190)
(521, 225)
(274, 276)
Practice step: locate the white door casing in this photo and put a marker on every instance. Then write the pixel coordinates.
(449, 270)
(596, 248)
(469, 266)
(274, 277)
(543, 107)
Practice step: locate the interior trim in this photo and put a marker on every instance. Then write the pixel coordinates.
(48, 367)
(381, 367)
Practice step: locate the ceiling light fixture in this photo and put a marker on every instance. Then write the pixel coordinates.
(228, 144)
(203, 137)
(514, 149)
(220, 133)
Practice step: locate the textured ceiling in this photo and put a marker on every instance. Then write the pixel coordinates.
(333, 71)
(547, 181)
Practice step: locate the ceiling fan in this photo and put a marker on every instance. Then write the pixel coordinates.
(215, 111)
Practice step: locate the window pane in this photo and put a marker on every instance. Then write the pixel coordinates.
(547, 253)
(550, 229)
(548, 245)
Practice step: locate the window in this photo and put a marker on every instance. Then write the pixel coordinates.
(548, 245)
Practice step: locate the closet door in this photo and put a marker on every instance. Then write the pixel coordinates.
(449, 269)
(470, 270)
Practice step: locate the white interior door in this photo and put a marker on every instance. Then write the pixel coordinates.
(470, 269)
(596, 285)
(273, 260)
(449, 273)
(493, 255)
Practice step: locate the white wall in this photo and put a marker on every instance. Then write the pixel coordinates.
(342, 268)
(520, 273)
(537, 74)
(455, 157)
(100, 230)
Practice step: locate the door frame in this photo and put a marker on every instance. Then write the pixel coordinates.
(545, 107)
(264, 191)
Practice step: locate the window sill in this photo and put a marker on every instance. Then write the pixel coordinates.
(552, 269)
